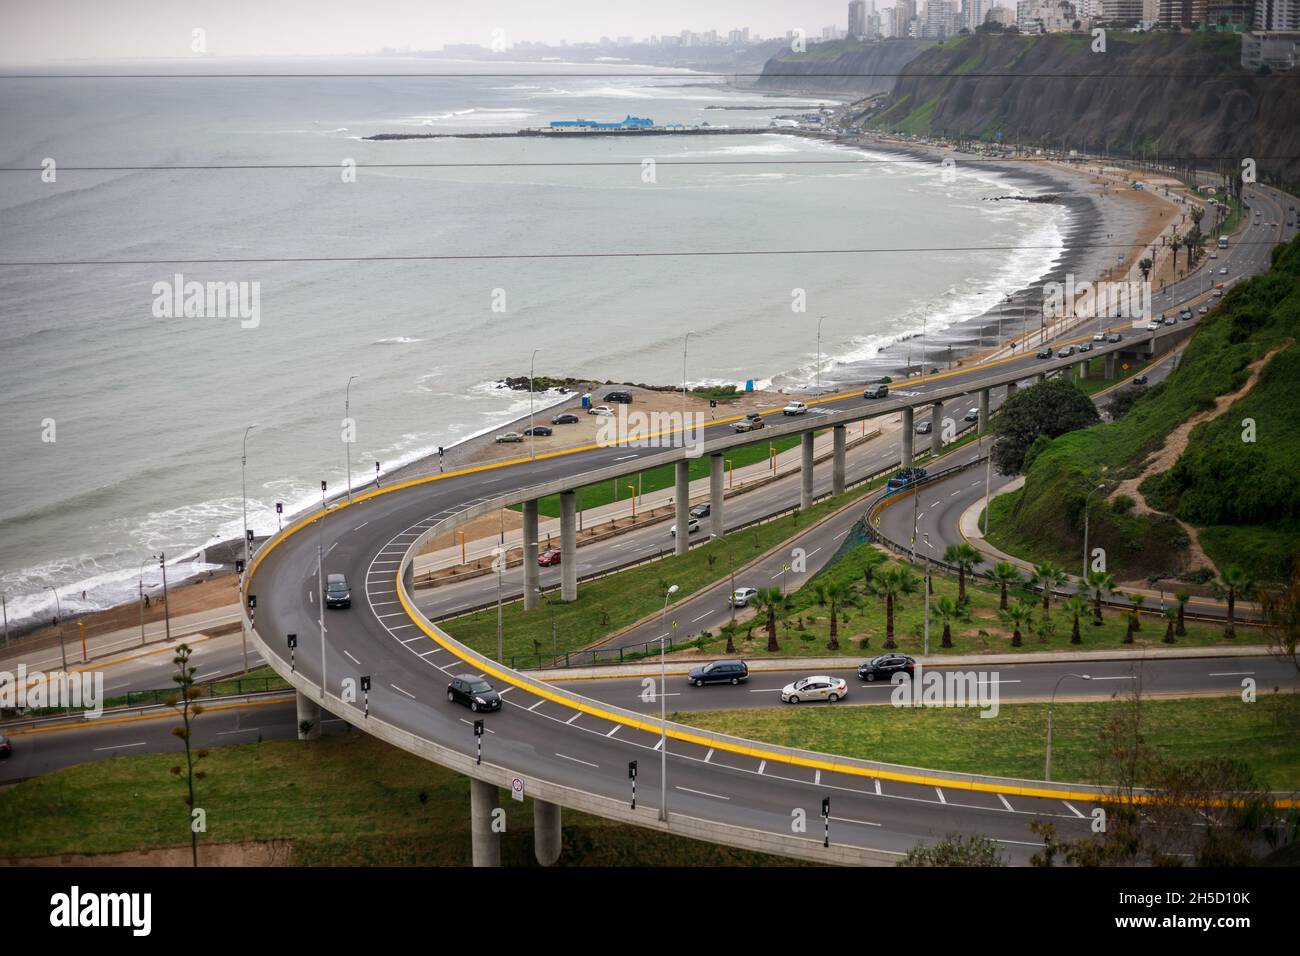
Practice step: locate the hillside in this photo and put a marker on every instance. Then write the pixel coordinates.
(1147, 94)
(1239, 498)
(843, 66)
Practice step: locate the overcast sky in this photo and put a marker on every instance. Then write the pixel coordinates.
(51, 30)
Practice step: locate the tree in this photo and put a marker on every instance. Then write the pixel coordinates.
(1137, 600)
(1099, 581)
(1281, 607)
(1048, 409)
(956, 850)
(1182, 597)
(892, 585)
(832, 594)
(1005, 574)
(1017, 617)
(1233, 583)
(1048, 576)
(945, 611)
(964, 558)
(770, 601)
(1175, 244)
(1077, 606)
(182, 702)
(1145, 265)
(1130, 624)
(1171, 618)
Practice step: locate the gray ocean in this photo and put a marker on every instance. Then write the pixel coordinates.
(147, 412)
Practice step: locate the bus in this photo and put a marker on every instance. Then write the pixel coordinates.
(1223, 242)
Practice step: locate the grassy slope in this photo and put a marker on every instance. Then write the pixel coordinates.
(1045, 519)
(1262, 734)
(349, 800)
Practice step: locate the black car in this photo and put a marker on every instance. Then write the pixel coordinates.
(620, 397)
(474, 692)
(701, 510)
(567, 418)
(1044, 353)
(719, 672)
(538, 430)
(1114, 337)
(886, 666)
(1139, 379)
(337, 591)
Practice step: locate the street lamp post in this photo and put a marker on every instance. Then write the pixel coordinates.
(141, 599)
(685, 342)
(167, 608)
(663, 711)
(243, 485)
(347, 423)
(58, 612)
(819, 353)
(532, 433)
(988, 479)
(1086, 500)
(1047, 771)
(926, 586)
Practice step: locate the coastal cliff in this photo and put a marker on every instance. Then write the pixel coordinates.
(844, 66)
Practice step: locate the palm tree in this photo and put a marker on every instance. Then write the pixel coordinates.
(945, 611)
(1048, 576)
(1175, 244)
(1233, 583)
(1145, 266)
(1099, 581)
(832, 594)
(1137, 600)
(1171, 617)
(1182, 597)
(1131, 625)
(1005, 574)
(892, 585)
(964, 558)
(770, 600)
(1017, 617)
(1077, 606)
(874, 559)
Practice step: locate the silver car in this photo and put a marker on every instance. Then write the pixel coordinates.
(815, 688)
(741, 597)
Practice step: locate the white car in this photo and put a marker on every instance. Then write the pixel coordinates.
(1223, 271)
(692, 526)
(1153, 326)
(741, 597)
(815, 688)
(795, 408)
(1099, 337)
(602, 410)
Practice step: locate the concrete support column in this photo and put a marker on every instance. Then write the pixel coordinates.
(683, 502)
(1083, 369)
(568, 546)
(984, 411)
(308, 711)
(486, 842)
(806, 471)
(839, 443)
(531, 576)
(909, 433)
(936, 428)
(1040, 377)
(1110, 364)
(546, 832)
(716, 464)
(1011, 389)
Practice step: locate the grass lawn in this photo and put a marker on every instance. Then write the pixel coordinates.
(607, 604)
(1263, 734)
(350, 800)
(656, 479)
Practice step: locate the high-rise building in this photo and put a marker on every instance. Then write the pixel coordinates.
(1126, 11)
(1277, 15)
(857, 19)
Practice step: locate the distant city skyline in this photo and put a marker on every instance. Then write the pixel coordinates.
(90, 29)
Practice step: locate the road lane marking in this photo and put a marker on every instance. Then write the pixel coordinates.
(242, 730)
(575, 716)
(360, 526)
(1072, 809)
(707, 613)
(1234, 674)
(861, 823)
(1005, 803)
(614, 730)
(120, 746)
(942, 798)
(536, 705)
(708, 756)
(352, 659)
(702, 793)
(817, 779)
(878, 786)
(585, 763)
(400, 691)
(762, 764)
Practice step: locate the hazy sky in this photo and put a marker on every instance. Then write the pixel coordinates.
(44, 30)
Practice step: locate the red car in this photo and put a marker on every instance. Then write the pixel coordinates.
(549, 557)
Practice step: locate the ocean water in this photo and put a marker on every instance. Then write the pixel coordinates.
(147, 413)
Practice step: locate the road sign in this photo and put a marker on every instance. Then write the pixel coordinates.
(252, 600)
(517, 789)
(293, 641)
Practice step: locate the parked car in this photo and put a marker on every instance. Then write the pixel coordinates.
(876, 391)
(619, 397)
(1114, 337)
(692, 526)
(474, 692)
(886, 666)
(509, 437)
(602, 410)
(337, 591)
(565, 418)
(719, 672)
(701, 510)
(924, 428)
(741, 597)
(549, 557)
(815, 688)
(1044, 353)
(751, 422)
(538, 430)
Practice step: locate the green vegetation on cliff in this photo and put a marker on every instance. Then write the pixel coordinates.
(1236, 479)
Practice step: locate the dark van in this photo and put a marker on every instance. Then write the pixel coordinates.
(876, 391)
(621, 397)
(719, 672)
